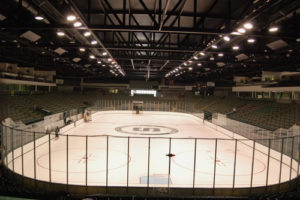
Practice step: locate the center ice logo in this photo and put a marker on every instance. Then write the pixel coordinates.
(146, 130)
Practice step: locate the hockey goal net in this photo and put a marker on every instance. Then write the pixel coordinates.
(137, 107)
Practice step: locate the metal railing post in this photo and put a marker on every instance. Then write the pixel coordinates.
(106, 183)
(86, 161)
(67, 154)
(169, 169)
(269, 149)
(6, 146)
(215, 164)
(22, 153)
(252, 164)
(148, 168)
(12, 149)
(234, 164)
(128, 143)
(194, 170)
(34, 155)
(50, 158)
(281, 154)
(292, 155)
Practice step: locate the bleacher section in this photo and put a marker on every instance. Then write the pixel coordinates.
(265, 114)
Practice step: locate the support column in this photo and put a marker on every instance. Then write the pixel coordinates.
(49, 89)
(35, 89)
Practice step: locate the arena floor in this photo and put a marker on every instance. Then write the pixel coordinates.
(150, 134)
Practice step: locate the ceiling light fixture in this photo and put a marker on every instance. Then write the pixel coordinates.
(104, 53)
(226, 38)
(60, 33)
(273, 29)
(235, 33)
(87, 34)
(199, 64)
(93, 42)
(241, 30)
(248, 26)
(71, 18)
(202, 53)
(77, 24)
(211, 58)
(82, 49)
(92, 57)
(39, 17)
(235, 47)
(251, 40)
(190, 68)
(109, 59)
(185, 64)
(195, 57)
(220, 54)
(99, 62)
(214, 46)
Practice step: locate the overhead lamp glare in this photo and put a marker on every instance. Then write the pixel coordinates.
(87, 34)
(226, 38)
(273, 29)
(248, 26)
(71, 18)
(60, 33)
(39, 18)
(93, 42)
(235, 47)
(241, 30)
(77, 24)
(251, 40)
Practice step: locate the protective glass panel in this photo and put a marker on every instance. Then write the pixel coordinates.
(274, 163)
(58, 159)
(117, 161)
(286, 159)
(28, 154)
(138, 162)
(42, 156)
(260, 164)
(182, 163)
(159, 163)
(225, 163)
(205, 156)
(243, 163)
(97, 160)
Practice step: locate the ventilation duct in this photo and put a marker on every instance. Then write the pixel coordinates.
(60, 51)
(31, 36)
(241, 57)
(278, 44)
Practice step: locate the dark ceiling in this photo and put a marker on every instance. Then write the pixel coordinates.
(152, 39)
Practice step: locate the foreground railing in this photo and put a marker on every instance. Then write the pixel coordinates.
(230, 162)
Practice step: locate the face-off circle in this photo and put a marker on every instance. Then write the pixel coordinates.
(146, 130)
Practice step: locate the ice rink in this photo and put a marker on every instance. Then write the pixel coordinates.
(119, 143)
